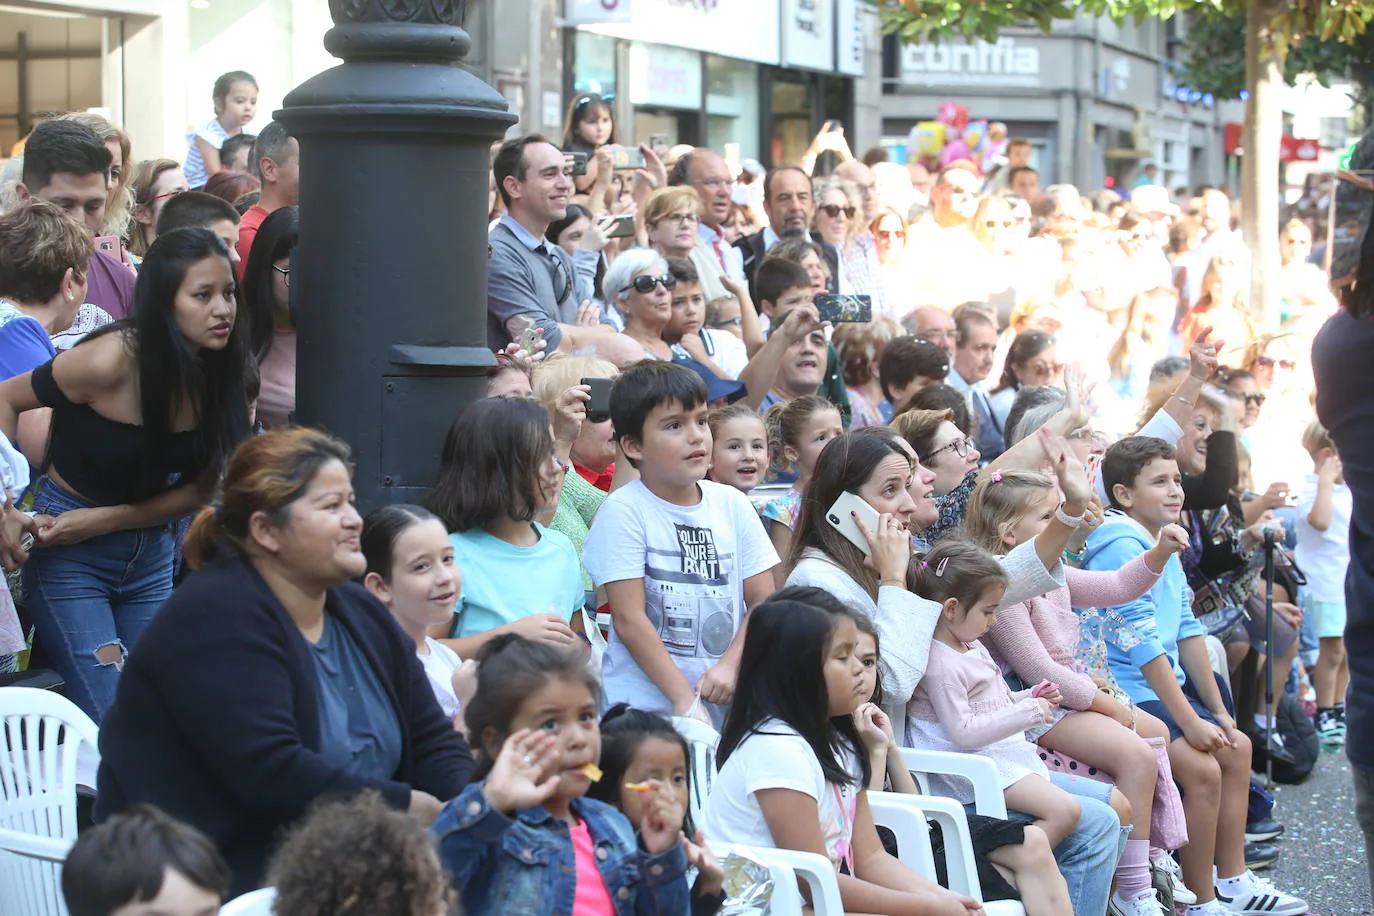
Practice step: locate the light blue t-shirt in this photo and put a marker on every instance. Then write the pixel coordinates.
(1162, 616)
(503, 583)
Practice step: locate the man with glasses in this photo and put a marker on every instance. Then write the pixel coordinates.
(532, 283)
(66, 164)
(705, 172)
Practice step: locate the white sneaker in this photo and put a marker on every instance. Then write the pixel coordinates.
(1261, 898)
(1169, 865)
(1210, 908)
(1145, 905)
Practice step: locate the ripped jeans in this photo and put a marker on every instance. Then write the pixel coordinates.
(91, 601)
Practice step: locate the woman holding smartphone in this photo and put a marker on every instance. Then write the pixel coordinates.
(873, 476)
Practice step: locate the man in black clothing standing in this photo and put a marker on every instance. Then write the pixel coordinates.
(1345, 405)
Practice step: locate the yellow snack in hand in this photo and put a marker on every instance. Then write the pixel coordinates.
(592, 771)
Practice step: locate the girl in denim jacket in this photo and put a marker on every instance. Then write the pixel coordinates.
(525, 839)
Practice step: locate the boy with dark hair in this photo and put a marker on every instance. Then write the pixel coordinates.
(1166, 671)
(783, 289)
(909, 364)
(198, 210)
(144, 862)
(681, 558)
(235, 153)
(66, 164)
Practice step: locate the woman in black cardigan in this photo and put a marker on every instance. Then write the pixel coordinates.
(269, 679)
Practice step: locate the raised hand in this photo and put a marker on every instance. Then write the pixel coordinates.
(569, 411)
(710, 876)
(1068, 470)
(869, 722)
(889, 548)
(661, 823)
(1203, 358)
(518, 780)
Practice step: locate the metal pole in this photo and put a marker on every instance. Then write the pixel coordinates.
(1269, 547)
(390, 273)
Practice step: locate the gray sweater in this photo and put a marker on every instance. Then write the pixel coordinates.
(906, 622)
(544, 288)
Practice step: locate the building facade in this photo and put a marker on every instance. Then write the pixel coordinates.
(1096, 100)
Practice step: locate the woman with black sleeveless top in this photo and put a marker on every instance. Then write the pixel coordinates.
(145, 413)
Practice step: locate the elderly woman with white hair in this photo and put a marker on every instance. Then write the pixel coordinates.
(639, 285)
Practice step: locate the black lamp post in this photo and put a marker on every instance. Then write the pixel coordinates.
(390, 274)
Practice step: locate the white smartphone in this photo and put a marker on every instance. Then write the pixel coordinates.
(841, 517)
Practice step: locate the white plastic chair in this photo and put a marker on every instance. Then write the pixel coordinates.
(907, 815)
(787, 866)
(978, 770)
(41, 736)
(253, 903)
(701, 741)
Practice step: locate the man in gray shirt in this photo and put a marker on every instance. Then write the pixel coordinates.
(531, 281)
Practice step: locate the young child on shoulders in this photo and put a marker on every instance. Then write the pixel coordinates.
(963, 704)
(144, 861)
(497, 474)
(1014, 861)
(681, 558)
(797, 432)
(636, 748)
(794, 766)
(236, 103)
(1169, 675)
(1324, 510)
(359, 855)
(1037, 640)
(410, 569)
(523, 837)
(739, 447)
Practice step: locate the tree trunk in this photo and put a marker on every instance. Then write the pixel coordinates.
(1259, 177)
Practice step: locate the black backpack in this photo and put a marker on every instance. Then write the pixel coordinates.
(1299, 739)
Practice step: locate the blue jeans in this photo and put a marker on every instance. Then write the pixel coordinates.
(100, 592)
(1087, 857)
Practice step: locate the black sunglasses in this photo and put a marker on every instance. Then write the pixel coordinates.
(645, 283)
(598, 416)
(834, 210)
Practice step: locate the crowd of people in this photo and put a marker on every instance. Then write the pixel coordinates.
(1019, 508)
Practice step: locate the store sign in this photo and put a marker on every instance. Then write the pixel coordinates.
(1294, 149)
(664, 77)
(743, 29)
(851, 22)
(808, 34)
(1008, 63)
(588, 12)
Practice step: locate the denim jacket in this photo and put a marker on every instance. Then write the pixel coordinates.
(525, 864)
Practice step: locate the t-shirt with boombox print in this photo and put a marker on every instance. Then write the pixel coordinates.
(694, 561)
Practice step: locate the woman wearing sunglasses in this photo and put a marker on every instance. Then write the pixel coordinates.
(641, 288)
(839, 221)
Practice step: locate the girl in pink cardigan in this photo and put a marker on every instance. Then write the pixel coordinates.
(1037, 640)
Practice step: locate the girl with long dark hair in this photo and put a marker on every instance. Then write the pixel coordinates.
(271, 329)
(145, 412)
(794, 764)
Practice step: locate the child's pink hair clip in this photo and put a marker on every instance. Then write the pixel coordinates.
(996, 477)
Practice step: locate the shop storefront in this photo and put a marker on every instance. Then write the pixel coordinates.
(754, 78)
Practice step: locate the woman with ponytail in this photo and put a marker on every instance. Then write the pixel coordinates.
(270, 678)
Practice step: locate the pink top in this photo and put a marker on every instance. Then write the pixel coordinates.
(963, 704)
(278, 371)
(1038, 638)
(591, 897)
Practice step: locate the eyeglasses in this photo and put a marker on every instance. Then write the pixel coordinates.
(558, 268)
(598, 416)
(715, 184)
(726, 323)
(889, 234)
(285, 274)
(834, 210)
(645, 283)
(168, 194)
(961, 447)
(683, 218)
(993, 223)
(1251, 400)
(1269, 362)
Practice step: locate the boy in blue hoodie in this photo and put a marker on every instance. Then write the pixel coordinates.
(1169, 675)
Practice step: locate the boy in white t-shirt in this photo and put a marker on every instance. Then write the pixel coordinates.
(1323, 554)
(681, 558)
